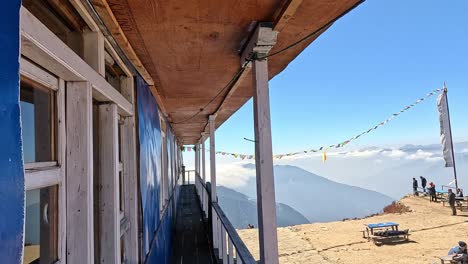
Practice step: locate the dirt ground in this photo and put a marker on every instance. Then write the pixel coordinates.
(433, 232)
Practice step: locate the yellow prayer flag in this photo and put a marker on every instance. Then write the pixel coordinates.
(324, 156)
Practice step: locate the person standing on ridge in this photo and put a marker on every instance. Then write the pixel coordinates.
(415, 186)
(432, 192)
(423, 183)
(451, 196)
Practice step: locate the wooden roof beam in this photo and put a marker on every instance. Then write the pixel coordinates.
(286, 13)
(105, 12)
(107, 16)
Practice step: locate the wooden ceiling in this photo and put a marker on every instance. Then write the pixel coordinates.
(188, 50)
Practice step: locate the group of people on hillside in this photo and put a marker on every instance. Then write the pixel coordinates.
(431, 190)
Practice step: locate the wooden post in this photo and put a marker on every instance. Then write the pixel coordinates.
(203, 160)
(264, 166)
(93, 51)
(203, 176)
(214, 197)
(109, 203)
(197, 167)
(130, 179)
(80, 215)
(259, 45)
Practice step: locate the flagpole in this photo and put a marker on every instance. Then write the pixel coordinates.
(451, 138)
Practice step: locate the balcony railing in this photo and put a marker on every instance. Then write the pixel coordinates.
(226, 242)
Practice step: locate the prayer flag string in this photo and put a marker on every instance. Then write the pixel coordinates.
(336, 146)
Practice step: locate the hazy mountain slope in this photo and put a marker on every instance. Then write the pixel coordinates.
(317, 198)
(241, 210)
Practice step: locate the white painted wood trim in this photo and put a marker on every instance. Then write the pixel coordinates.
(40, 45)
(109, 192)
(230, 251)
(35, 73)
(61, 157)
(40, 165)
(223, 237)
(130, 177)
(203, 162)
(85, 15)
(215, 229)
(117, 58)
(214, 197)
(41, 178)
(80, 213)
(266, 204)
(197, 164)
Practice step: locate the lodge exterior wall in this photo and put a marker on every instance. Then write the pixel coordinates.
(51, 66)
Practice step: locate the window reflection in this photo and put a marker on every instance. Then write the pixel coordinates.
(37, 121)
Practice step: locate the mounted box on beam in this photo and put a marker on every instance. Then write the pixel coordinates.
(261, 42)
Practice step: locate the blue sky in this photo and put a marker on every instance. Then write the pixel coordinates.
(378, 58)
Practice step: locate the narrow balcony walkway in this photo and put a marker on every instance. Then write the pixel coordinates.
(190, 244)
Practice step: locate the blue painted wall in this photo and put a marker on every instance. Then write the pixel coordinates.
(150, 140)
(157, 229)
(12, 190)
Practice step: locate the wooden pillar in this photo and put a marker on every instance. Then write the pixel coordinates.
(264, 165)
(80, 215)
(109, 203)
(130, 179)
(214, 197)
(197, 164)
(93, 51)
(203, 165)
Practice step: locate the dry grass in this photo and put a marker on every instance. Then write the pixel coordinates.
(396, 208)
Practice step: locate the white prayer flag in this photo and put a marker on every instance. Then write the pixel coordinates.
(445, 133)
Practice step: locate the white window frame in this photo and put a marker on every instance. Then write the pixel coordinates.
(45, 174)
(40, 45)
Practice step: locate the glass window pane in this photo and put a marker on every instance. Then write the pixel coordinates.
(37, 121)
(40, 244)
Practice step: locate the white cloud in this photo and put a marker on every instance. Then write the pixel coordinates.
(363, 153)
(394, 153)
(233, 175)
(420, 155)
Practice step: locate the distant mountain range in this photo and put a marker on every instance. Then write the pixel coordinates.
(389, 170)
(242, 211)
(313, 196)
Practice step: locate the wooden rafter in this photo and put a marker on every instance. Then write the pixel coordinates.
(68, 13)
(105, 12)
(286, 13)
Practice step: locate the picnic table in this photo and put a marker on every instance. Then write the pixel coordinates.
(441, 193)
(370, 228)
(448, 259)
(383, 230)
(460, 202)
